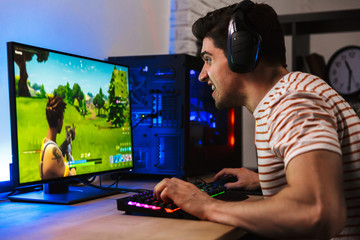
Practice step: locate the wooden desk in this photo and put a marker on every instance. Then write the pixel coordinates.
(99, 219)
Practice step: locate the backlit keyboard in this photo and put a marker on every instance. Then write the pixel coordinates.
(145, 204)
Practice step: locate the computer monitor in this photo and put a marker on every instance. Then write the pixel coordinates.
(70, 118)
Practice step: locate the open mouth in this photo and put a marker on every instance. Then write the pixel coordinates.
(213, 88)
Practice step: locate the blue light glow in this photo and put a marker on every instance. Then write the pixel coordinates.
(257, 54)
(161, 72)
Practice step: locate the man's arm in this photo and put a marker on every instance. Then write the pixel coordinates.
(312, 205)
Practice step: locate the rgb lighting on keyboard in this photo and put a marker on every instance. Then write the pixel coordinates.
(145, 202)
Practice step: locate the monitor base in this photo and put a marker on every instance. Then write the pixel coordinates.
(71, 196)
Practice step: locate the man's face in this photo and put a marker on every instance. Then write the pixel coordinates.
(224, 83)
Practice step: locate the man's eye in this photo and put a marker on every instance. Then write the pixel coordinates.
(207, 60)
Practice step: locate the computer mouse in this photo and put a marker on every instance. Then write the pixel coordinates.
(221, 181)
(230, 178)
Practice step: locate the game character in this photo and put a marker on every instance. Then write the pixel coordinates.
(52, 161)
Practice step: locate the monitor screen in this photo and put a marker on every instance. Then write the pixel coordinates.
(70, 115)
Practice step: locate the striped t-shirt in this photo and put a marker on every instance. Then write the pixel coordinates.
(303, 113)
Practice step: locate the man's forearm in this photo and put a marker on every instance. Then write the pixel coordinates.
(279, 216)
(311, 205)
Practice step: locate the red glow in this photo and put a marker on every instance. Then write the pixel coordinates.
(231, 136)
(232, 141)
(232, 117)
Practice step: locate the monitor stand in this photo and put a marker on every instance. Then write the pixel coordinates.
(62, 193)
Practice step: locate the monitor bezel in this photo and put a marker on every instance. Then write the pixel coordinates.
(13, 120)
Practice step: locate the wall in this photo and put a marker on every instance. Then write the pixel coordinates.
(185, 12)
(92, 28)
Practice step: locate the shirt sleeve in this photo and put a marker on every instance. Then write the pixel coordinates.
(301, 122)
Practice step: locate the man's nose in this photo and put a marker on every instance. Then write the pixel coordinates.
(203, 76)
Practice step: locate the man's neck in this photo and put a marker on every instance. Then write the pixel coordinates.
(263, 80)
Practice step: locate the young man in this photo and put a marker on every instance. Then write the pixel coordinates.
(307, 136)
(52, 162)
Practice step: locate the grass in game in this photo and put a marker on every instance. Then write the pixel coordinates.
(93, 136)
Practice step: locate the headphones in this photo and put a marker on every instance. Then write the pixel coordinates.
(243, 46)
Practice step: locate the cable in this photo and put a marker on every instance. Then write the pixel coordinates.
(87, 183)
(92, 179)
(11, 193)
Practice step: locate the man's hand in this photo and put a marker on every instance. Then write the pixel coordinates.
(185, 195)
(246, 178)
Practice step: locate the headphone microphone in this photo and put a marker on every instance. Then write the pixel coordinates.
(244, 44)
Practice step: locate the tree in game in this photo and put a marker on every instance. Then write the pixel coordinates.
(118, 98)
(36, 87)
(42, 91)
(77, 93)
(83, 107)
(69, 94)
(99, 101)
(60, 91)
(74, 96)
(20, 60)
(78, 97)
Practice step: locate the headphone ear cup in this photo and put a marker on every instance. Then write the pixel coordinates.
(243, 51)
(244, 44)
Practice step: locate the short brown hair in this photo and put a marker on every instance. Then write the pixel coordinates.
(261, 18)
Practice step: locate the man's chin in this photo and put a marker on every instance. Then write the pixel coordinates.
(220, 106)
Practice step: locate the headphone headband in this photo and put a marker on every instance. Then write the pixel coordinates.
(244, 5)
